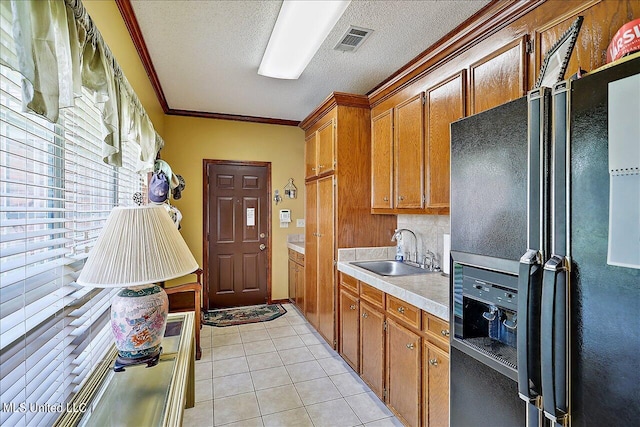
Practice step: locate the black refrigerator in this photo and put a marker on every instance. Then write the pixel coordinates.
(545, 257)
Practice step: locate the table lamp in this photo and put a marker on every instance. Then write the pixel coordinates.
(137, 248)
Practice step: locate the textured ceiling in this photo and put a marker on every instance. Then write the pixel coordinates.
(206, 53)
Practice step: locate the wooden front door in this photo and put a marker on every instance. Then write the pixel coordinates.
(237, 233)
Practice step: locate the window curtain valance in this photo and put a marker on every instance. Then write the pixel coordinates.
(60, 51)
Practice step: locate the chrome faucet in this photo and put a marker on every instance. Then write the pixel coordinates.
(398, 234)
(433, 263)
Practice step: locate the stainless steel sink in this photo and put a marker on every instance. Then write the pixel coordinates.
(390, 268)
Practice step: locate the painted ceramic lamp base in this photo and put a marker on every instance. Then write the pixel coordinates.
(138, 321)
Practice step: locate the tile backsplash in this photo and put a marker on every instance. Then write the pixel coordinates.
(429, 230)
(295, 238)
(361, 254)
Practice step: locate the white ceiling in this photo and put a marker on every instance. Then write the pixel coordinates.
(206, 53)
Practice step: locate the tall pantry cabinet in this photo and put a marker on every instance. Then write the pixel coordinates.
(337, 200)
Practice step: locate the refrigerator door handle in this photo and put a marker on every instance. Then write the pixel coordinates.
(553, 353)
(529, 284)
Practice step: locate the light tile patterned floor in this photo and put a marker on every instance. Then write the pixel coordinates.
(279, 373)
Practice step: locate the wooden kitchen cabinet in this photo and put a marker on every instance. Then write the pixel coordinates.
(397, 158)
(403, 352)
(300, 297)
(499, 77)
(435, 386)
(310, 156)
(403, 312)
(326, 146)
(325, 241)
(372, 348)
(349, 330)
(296, 279)
(408, 127)
(445, 103)
(320, 150)
(311, 254)
(382, 161)
(435, 371)
(338, 201)
(292, 280)
(404, 357)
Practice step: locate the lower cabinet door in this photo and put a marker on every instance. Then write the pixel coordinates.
(349, 328)
(292, 280)
(300, 287)
(404, 349)
(372, 348)
(436, 386)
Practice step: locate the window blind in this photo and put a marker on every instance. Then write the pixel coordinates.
(55, 195)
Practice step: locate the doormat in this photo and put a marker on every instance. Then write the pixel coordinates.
(243, 315)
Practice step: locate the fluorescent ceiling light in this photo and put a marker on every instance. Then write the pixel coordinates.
(300, 29)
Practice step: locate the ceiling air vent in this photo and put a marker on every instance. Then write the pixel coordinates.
(353, 39)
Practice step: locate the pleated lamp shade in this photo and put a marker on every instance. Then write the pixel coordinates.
(138, 246)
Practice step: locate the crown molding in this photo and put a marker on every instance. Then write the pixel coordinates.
(129, 17)
(484, 23)
(336, 98)
(234, 117)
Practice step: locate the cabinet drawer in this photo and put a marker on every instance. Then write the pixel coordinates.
(372, 295)
(348, 282)
(296, 257)
(435, 327)
(403, 311)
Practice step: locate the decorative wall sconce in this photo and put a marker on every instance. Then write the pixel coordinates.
(290, 190)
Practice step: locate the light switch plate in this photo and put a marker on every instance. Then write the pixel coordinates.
(300, 222)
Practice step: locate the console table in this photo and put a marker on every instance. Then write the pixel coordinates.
(141, 396)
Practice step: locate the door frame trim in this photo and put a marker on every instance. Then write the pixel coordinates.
(205, 219)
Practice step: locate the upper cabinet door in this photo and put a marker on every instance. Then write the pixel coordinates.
(445, 103)
(409, 153)
(499, 77)
(311, 156)
(382, 161)
(326, 141)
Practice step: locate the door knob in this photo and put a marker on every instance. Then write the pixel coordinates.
(262, 246)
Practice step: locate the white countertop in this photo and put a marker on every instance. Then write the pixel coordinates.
(296, 246)
(428, 292)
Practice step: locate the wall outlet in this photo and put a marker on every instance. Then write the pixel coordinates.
(300, 223)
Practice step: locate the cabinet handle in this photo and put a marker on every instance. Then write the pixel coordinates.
(365, 315)
(320, 166)
(385, 199)
(410, 346)
(352, 306)
(433, 362)
(401, 310)
(313, 169)
(445, 332)
(400, 198)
